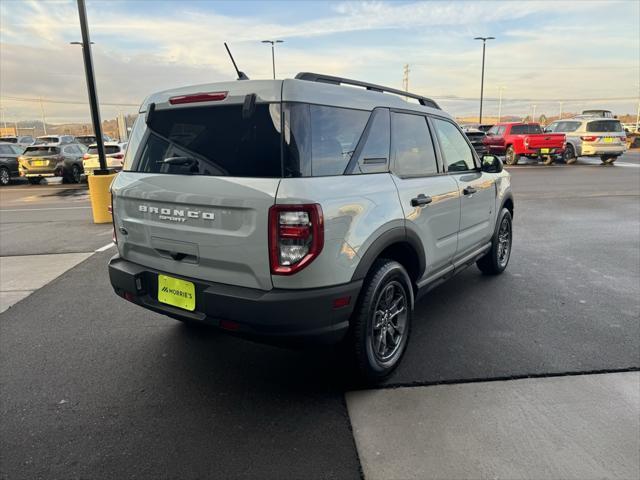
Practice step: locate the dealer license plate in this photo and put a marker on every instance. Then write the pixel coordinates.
(176, 292)
(544, 150)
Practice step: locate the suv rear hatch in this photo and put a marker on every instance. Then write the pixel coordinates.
(198, 182)
(40, 159)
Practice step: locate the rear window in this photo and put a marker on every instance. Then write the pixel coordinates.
(221, 141)
(605, 126)
(108, 149)
(9, 139)
(525, 129)
(41, 151)
(226, 141)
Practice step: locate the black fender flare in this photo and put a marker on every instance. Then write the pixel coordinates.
(386, 239)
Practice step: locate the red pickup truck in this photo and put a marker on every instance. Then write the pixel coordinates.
(515, 140)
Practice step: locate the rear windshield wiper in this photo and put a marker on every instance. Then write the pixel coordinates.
(185, 161)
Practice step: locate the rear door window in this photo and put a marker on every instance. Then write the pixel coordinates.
(412, 146)
(604, 126)
(224, 140)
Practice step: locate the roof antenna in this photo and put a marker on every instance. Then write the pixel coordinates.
(241, 75)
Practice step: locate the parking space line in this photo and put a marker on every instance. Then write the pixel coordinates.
(41, 209)
(106, 247)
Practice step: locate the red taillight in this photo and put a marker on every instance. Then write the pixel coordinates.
(296, 237)
(119, 156)
(198, 97)
(589, 138)
(623, 139)
(86, 156)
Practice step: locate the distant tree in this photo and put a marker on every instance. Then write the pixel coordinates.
(526, 119)
(543, 119)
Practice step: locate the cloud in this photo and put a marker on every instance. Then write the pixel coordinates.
(536, 55)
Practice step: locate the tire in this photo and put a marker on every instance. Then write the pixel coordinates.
(380, 318)
(75, 175)
(5, 177)
(510, 156)
(608, 159)
(34, 180)
(548, 160)
(495, 261)
(569, 155)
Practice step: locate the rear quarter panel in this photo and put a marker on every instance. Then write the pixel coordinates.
(356, 209)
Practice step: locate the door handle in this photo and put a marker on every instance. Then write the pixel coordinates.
(420, 200)
(469, 190)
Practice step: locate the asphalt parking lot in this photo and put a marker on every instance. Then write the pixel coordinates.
(94, 387)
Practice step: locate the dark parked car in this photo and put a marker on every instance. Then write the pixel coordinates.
(23, 141)
(9, 154)
(50, 160)
(476, 137)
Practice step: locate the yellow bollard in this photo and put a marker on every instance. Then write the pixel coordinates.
(100, 196)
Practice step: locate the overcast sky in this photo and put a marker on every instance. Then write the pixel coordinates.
(544, 50)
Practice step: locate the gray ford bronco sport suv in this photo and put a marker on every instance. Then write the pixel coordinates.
(303, 210)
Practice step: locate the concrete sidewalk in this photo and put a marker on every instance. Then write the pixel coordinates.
(20, 276)
(570, 427)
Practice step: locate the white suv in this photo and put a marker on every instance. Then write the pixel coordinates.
(303, 210)
(591, 137)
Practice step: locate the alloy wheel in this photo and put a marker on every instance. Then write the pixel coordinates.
(389, 321)
(504, 242)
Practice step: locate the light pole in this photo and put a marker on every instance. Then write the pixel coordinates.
(484, 44)
(560, 115)
(91, 87)
(273, 53)
(500, 89)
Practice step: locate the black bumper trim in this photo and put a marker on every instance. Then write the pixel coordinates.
(273, 315)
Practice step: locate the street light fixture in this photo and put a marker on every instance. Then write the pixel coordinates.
(484, 43)
(273, 55)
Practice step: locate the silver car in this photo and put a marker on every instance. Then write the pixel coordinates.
(589, 136)
(303, 210)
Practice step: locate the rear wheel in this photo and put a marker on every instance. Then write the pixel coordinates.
(495, 261)
(511, 157)
(5, 178)
(381, 323)
(548, 160)
(75, 176)
(608, 159)
(570, 155)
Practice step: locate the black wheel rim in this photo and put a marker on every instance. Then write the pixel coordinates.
(510, 156)
(568, 153)
(504, 242)
(75, 172)
(4, 177)
(389, 325)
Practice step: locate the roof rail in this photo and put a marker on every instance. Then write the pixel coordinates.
(319, 77)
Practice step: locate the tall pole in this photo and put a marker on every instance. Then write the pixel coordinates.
(638, 119)
(91, 87)
(484, 43)
(560, 116)
(533, 115)
(273, 54)
(44, 121)
(405, 78)
(3, 119)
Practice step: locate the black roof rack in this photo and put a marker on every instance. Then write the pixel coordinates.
(320, 77)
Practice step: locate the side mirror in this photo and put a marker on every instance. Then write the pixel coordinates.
(491, 164)
(547, 130)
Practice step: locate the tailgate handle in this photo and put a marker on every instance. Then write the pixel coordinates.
(177, 255)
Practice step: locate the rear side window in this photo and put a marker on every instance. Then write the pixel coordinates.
(5, 150)
(604, 126)
(411, 145)
(223, 140)
(455, 149)
(9, 139)
(41, 151)
(567, 127)
(320, 140)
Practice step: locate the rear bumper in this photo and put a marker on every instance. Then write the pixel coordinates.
(543, 151)
(274, 316)
(597, 150)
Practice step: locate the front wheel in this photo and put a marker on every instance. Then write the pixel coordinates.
(511, 157)
(495, 261)
(381, 322)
